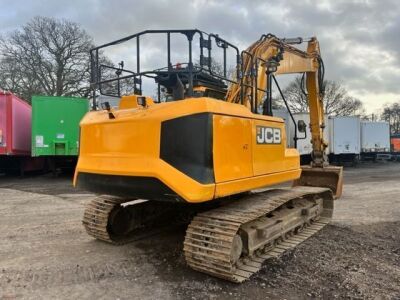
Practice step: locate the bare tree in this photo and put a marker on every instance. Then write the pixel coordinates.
(47, 56)
(217, 68)
(391, 114)
(336, 99)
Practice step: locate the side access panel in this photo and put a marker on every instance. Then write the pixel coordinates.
(269, 139)
(232, 148)
(251, 153)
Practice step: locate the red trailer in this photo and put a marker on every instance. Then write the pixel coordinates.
(15, 125)
(395, 142)
(15, 134)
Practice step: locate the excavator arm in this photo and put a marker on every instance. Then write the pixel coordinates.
(270, 56)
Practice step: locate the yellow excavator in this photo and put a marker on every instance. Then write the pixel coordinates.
(204, 150)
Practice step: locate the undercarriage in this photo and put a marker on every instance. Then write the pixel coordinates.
(230, 241)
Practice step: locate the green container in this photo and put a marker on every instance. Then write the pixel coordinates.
(55, 125)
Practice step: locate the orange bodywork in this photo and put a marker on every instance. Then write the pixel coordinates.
(200, 148)
(129, 145)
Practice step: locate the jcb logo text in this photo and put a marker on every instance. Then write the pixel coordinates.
(268, 135)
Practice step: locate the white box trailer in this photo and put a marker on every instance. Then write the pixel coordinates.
(284, 114)
(344, 138)
(375, 137)
(304, 145)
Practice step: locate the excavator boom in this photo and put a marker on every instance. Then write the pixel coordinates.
(269, 56)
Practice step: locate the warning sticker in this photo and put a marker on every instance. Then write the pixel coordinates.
(39, 140)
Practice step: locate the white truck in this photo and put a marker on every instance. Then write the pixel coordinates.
(304, 145)
(375, 139)
(284, 114)
(344, 139)
(343, 135)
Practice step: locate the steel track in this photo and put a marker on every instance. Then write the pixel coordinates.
(211, 236)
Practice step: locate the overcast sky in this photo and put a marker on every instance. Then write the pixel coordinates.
(360, 40)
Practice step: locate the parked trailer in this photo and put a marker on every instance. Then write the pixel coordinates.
(375, 139)
(15, 135)
(304, 145)
(395, 143)
(55, 129)
(344, 139)
(15, 125)
(284, 114)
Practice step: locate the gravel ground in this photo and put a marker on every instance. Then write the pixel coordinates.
(45, 252)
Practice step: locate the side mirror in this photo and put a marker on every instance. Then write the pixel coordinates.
(301, 126)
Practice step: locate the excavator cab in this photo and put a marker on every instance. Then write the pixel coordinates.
(204, 85)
